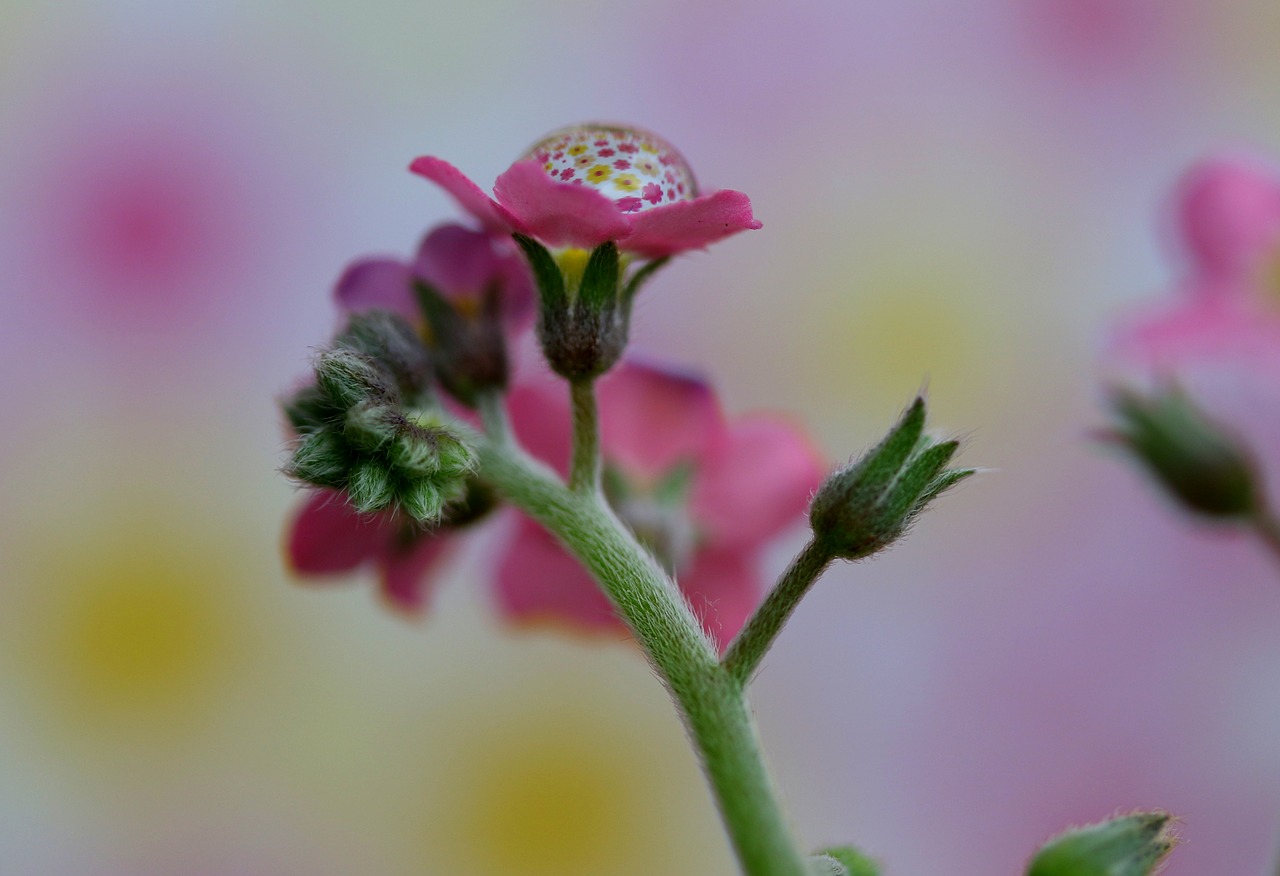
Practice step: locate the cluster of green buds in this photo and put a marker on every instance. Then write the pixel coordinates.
(369, 424)
(868, 505)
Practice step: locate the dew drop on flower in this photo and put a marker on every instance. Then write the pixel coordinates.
(635, 168)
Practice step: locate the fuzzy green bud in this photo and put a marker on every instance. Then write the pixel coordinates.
(424, 499)
(347, 377)
(320, 458)
(842, 861)
(1197, 461)
(372, 424)
(869, 504)
(387, 339)
(370, 486)
(1133, 845)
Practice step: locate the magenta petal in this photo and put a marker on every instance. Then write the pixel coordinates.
(538, 581)
(556, 213)
(1215, 326)
(674, 228)
(457, 261)
(723, 588)
(1229, 215)
(653, 417)
(755, 482)
(468, 195)
(328, 536)
(377, 282)
(406, 568)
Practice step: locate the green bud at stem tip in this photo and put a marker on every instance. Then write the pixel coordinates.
(320, 459)
(866, 506)
(1199, 462)
(1131, 845)
(370, 487)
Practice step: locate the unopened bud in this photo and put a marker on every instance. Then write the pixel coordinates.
(1133, 845)
(1197, 460)
(321, 458)
(370, 486)
(842, 861)
(869, 504)
(387, 339)
(348, 378)
(371, 424)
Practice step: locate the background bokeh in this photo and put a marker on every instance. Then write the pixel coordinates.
(959, 194)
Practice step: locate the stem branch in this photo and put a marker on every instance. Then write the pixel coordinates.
(750, 646)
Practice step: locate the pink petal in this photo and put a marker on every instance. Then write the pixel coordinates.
(377, 282)
(457, 261)
(723, 588)
(755, 482)
(539, 411)
(684, 225)
(405, 570)
(537, 581)
(1228, 211)
(461, 263)
(654, 416)
(1214, 326)
(468, 195)
(556, 213)
(328, 536)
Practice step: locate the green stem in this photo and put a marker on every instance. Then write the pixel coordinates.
(711, 702)
(746, 651)
(584, 474)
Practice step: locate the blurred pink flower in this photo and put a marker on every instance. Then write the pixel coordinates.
(1227, 220)
(705, 494)
(539, 198)
(461, 264)
(329, 537)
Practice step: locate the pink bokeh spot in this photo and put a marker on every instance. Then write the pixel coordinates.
(1226, 215)
(750, 481)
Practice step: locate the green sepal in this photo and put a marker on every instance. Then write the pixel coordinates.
(347, 377)
(423, 499)
(1132, 845)
(546, 273)
(638, 279)
(371, 425)
(599, 289)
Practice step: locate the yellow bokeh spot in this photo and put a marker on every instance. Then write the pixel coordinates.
(128, 633)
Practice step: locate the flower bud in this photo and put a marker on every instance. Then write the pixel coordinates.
(869, 504)
(387, 339)
(370, 486)
(1133, 845)
(347, 377)
(1197, 461)
(842, 861)
(321, 459)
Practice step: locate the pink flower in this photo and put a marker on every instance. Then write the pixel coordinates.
(705, 494)
(529, 199)
(328, 538)
(1227, 221)
(461, 264)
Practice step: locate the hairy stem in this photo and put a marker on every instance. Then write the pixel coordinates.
(750, 646)
(711, 702)
(584, 474)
